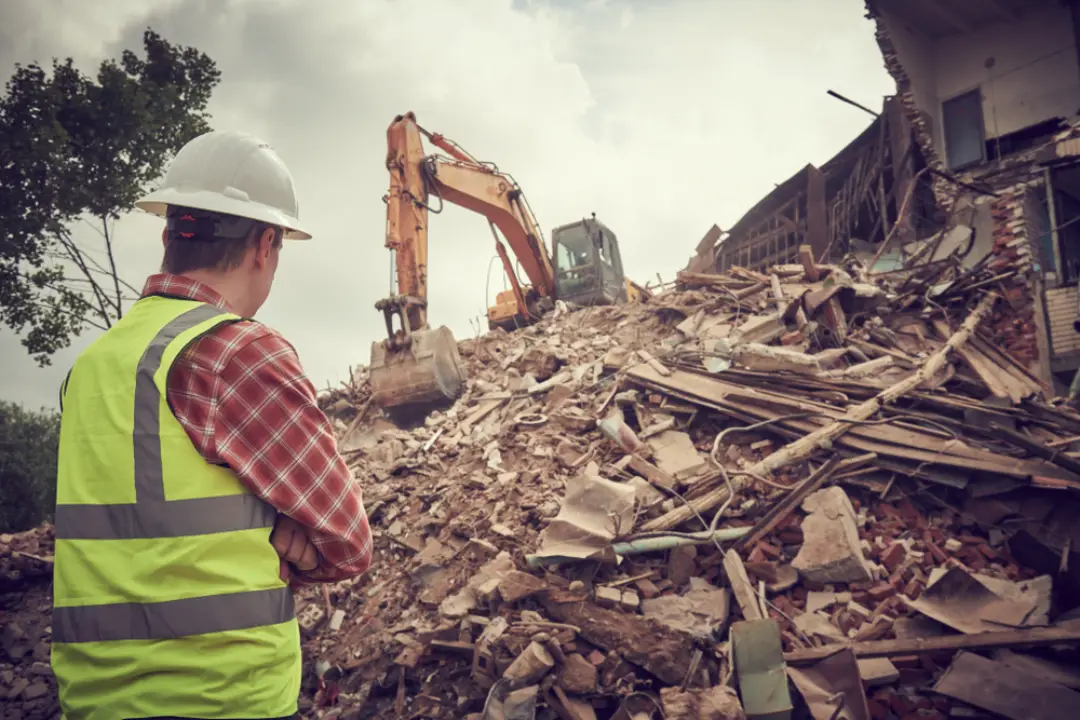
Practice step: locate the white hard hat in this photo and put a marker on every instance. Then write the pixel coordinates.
(232, 173)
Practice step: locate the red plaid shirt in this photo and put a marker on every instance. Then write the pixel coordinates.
(244, 400)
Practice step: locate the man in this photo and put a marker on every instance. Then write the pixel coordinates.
(197, 475)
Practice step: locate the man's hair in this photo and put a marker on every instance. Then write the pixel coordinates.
(204, 240)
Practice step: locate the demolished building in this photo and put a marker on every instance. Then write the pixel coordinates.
(805, 480)
(976, 156)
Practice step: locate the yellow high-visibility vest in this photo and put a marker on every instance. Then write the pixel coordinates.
(167, 599)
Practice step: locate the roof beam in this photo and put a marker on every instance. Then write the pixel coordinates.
(947, 15)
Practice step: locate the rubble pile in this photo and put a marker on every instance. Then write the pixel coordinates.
(27, 686)
(810, 493)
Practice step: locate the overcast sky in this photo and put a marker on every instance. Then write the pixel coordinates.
(660, 116)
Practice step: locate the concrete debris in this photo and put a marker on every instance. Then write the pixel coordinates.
(831, 551)
(812, 453)
(715, 703)
(577, 675)
(702, 611)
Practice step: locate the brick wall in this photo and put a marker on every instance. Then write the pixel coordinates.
(944, 191)
(1013, 322)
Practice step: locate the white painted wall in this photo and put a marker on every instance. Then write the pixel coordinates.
(1035, 75)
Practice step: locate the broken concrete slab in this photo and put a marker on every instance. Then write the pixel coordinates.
(577, 675)
(714, 703)
(517, 585)
(702, 612)
(832, 550)
(877, 671)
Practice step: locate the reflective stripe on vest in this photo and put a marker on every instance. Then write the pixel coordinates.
(152, 516)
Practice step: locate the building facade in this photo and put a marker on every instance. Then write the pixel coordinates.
(991, 90)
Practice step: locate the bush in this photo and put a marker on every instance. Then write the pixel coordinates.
(29, 442)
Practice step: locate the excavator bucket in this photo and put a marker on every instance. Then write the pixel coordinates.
(424, 374)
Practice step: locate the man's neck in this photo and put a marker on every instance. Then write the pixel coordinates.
(229, 286)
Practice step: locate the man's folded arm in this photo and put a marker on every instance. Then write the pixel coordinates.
(272, 433)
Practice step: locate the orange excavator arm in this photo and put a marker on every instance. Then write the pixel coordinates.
(417, 368)
(417, 180)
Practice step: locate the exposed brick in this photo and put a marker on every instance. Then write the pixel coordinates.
(880, 592)
(893, 556)
(790, 536)
(769, 550)
(937, 553)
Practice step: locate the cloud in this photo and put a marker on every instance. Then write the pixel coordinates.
(660, 117)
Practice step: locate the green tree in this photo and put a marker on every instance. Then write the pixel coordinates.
(28, 446)
(80, 150)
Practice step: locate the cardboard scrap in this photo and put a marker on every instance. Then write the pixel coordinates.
(960, 601)
(676, 455)
(832, 687)
(593, 513)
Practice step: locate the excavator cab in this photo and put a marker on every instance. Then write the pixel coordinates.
(588, 267)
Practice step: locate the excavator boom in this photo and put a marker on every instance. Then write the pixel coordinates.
(416, 368)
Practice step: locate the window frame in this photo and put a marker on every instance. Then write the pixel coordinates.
(977, 92)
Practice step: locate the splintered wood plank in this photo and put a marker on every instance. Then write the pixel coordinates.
(660, 650)
(1013, 639)
(805, 446)
(742, 587)
(1006, 691)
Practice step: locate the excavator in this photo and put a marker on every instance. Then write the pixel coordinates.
(417, 369)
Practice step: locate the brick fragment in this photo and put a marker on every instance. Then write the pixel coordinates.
(893, 556)
(881, 592)
(937, 553)
(914, 589)
(647, 588)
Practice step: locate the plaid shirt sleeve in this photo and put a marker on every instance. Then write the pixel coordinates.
(245, 401)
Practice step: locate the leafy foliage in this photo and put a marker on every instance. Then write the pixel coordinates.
(76, 149)
(29, 442)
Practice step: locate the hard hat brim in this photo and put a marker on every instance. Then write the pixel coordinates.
(157, 202)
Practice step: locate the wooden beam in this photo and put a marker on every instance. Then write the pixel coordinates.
(1014, 639)
(817, 233)
(903, 165)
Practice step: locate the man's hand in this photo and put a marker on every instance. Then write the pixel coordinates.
(292, 545)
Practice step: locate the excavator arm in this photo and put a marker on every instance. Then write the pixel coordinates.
(417, 180)
(415, 367)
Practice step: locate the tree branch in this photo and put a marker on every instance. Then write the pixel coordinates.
(112, 267)
(109, 251)
(77, 256)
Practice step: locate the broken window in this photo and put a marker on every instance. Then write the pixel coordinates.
(1041, 230)
(962, 124)
(1066, 187)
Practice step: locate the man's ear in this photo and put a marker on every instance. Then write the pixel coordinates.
(164, 236)
(264, 246)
